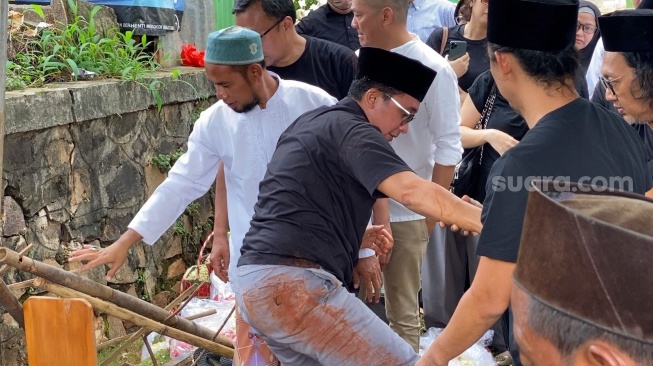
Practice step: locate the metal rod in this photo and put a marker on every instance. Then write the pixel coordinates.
(149, 350)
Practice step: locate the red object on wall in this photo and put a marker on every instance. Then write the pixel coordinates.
(190, 56)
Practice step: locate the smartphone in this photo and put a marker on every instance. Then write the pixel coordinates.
(457, 49)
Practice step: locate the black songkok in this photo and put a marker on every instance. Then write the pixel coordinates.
(538, 25)
(627, 30)
(396, 71)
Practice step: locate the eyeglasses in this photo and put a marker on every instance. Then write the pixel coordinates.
(408, 116)
(607, 83)
(587, 28)
(274, 25)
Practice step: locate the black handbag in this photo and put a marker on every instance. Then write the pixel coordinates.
(466, 174)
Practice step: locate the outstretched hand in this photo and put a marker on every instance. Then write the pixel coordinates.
(455, 227)
(114, 255)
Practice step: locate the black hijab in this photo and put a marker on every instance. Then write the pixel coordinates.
(586, 53)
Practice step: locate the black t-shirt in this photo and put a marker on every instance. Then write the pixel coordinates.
(645, 132)
(502, 118)
(323, 64)
(324, 23)
(477, 49)
(317, 195)
(579, 142)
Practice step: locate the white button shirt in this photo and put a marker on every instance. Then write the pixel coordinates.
(434, 135)
(244, 142)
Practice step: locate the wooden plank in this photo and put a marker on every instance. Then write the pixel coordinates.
(59, 332)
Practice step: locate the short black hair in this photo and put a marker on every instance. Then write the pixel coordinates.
(359, 87)
(552, 69)
(642, 62)
(277, 9)
(568, 333)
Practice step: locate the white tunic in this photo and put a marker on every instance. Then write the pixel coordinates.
(244, 142)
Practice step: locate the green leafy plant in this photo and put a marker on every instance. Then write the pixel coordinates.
(165, 161)
(180, 229)
(64, 52)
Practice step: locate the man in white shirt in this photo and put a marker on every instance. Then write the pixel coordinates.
(240, 130)
(431, 148)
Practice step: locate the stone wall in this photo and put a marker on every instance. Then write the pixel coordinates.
(78, 166)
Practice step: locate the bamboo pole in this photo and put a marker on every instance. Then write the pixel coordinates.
(233, 308)
(141, 321)
(21, 285)
(92, 288)
(201, 315)
(25, 250)
(10, 303)
(115, 341)
(112, 342)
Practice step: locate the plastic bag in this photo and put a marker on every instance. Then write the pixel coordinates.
(213, 322)
(220, 290)
(476, 355)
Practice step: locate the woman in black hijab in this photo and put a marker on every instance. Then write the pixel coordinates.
(587, 33)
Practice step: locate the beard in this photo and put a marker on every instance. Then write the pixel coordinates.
(249, 106)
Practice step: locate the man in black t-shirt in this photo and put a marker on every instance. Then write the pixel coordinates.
(315, 201)
(314, 61)
(331, 22)
(570, 140)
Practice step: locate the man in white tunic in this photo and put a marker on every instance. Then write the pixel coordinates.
(240, 131)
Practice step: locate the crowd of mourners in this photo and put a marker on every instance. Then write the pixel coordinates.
(489, 163)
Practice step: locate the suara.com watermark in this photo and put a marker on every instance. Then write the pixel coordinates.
(562, 184)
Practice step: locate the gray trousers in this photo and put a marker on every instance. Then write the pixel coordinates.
(448, 269)
(307, 317)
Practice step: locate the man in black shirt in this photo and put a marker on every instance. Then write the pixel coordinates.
(628, 70)
(331, 22)
(315, 201)
(570, 139)
(311, 60)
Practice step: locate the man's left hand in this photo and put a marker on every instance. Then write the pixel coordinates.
(368, 278)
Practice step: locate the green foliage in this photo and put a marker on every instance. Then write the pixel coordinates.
(165, 161)
(180, 229)
(307, 4)
(193, 209)
(60, 53)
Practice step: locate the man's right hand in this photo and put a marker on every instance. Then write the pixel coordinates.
(114, 255)
(220, 257)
